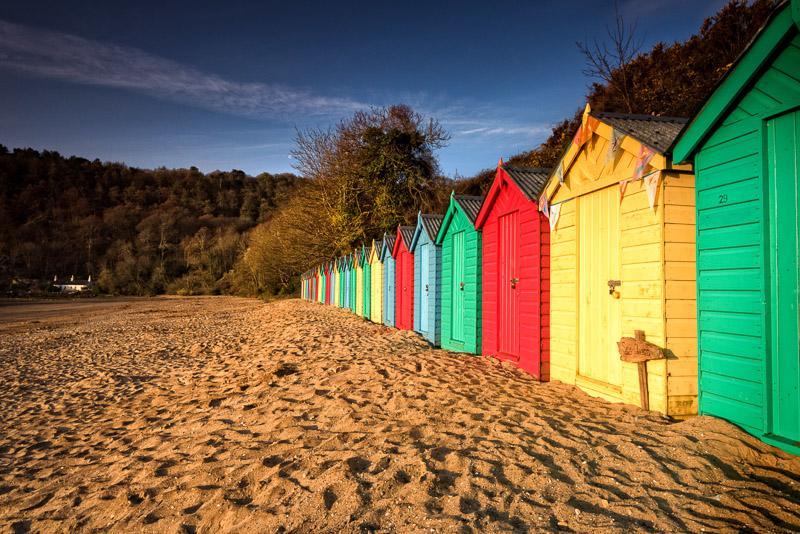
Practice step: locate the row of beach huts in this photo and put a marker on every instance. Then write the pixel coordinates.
(680, 236)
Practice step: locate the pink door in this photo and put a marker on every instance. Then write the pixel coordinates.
(508, 278)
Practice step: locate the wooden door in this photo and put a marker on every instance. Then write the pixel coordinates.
(366, 311)
(783, 146)
(507, 294)
(599, 315)
(424, 288)
(457, 289)
(400, 295)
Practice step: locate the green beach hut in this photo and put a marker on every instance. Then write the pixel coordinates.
(366, 286)
(745, 144)
(461, 275)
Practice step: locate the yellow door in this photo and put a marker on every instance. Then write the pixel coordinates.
(600, 315)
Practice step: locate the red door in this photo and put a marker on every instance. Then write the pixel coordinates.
(404, 277)
(508, 278)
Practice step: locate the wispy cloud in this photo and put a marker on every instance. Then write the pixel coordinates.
(75, 59)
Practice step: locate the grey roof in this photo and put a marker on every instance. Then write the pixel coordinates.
(658, 133)
(408, 234)
(530, 180)
(431, 224)
(470, 204)
(378, 246)
(389, 241)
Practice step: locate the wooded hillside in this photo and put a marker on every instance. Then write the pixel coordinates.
(136, 231)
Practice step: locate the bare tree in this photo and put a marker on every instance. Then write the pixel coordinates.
(610, 60)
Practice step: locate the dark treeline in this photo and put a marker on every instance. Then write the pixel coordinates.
(135, 231)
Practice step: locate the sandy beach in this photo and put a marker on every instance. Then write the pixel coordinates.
(224, 414)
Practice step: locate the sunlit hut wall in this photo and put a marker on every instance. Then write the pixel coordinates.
(337, 282)
(318, 283)
(340, 286)
(358, 261)
(353, 271)
(346, 261)
(376, 285)
(325, 283)
(745, 143)
(331, 282)
(461, 275)
(515, 269)
(367, 285)
(427, 276)
(388, 279)
(622, 236)
(404, 278)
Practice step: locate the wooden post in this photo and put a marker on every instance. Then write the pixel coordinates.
(637, 350)
(644, 391)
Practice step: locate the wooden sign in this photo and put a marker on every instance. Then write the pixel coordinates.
(637, 350)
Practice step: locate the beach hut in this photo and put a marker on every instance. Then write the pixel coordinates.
(359, 267)
(346, 259)
(329, 279)
(388, 279)
(460, 285)
(427, 275)
(404, 279)
(340, 282)
(319, 286)
(745, 144)
(334, 283)
(376, 284)
(515, 269)
(352, 262)
(367, 285)
(622, 260)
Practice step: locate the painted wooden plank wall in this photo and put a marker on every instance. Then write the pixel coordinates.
(732, 258)
(656, 254)
(472, 286)
(376, 272)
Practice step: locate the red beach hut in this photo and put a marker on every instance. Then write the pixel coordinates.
(404, 278)
(516, 270)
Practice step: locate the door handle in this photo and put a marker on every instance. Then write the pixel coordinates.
(461, 286)
(426, 288)
(514, 282)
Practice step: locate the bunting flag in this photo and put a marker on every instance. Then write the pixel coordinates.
(644, 157)
(651, 184)
(543, 204)
(555, 211)
(614, 145)
(623, 185)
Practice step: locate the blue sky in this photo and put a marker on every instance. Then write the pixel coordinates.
(223, 85)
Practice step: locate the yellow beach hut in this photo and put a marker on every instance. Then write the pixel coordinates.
(337, 283)
(623, 260)
(358, 265)
(376, 287)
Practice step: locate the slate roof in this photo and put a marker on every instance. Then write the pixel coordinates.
(530, 180)
(408, 234)
(431, 224)
(658, 133)
(470, 204)
(378, 246)
(389, 241)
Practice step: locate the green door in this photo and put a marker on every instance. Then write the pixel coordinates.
(783, 145)
(458, 287)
